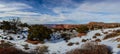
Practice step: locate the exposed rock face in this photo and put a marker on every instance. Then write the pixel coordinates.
(91, 25)
(97, 25)
(66, 26)
(59, 26)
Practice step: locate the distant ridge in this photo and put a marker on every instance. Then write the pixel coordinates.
(90, 24)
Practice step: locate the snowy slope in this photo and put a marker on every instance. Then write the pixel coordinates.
(62, 47)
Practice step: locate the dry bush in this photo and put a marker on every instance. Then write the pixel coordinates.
(118, 31)
(110, 30)
(114, 30)
(70, 44)
(83, 40)
(87, 39)
(97, 34)
(89, 45)
(11, 50)
(26, 46)
(77, 43)
(5, 44)
(2, 41)
(114, 34)
(118, 46)
(111, 35)
(91, 49)
(118, 39)
(98, 40)
(7, 48)
(41, 49)
(94, 37)
(105, 32)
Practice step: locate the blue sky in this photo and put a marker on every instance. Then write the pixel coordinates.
(61, 11)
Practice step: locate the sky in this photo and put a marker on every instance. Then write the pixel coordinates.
(61, 11)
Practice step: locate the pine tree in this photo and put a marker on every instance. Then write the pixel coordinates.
(39, 33)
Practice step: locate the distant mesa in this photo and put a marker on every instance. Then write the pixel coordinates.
(90, 25)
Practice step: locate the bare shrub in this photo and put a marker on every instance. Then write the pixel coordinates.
(65, 36)
(77, 43)
(11, 50)
(88, 45)
(70, 44)
(94, 37)
(5, 44)
(2, 41)
(41, 49)
(98, 40)
(114, 34)
(26, 46)
(118, 39)
(118, 31)
(97, 34)
(105, 32)
(118, 46)
(110, 30)
(91, 49)
(83, 40)
(8, 48)
(111, 35)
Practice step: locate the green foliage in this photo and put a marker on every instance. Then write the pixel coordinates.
(9, 26)
(12, 25)
(6, 25)
(24, 25)
(39, 33)
(82, 29)
(65, 36)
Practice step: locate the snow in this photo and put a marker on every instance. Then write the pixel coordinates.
(25, 29)
(61, 47)
(56, 37)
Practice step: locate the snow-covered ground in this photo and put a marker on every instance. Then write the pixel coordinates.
(62, 47)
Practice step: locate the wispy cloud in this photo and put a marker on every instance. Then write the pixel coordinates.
(66, 11)
(104, 11)
(15, 10)
(12, 6)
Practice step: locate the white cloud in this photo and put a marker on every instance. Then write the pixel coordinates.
(102, 11)
(22, 13)
(43, 19)
(12, 6)
(14, 9)
(84, 13)
(109, 7)
(1, 6)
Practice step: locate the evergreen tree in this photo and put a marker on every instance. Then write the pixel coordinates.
(39, 33)
(82, 29)
(6, 25)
